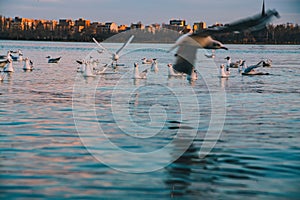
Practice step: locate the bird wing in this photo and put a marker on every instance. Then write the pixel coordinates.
(189, 43)
(125, 44)
(185, 59)
(102, 47)
(248, 69)
(254, 23)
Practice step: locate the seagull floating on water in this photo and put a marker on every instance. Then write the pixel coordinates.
(231, 64)
(9, 66)
(81, 67)
(28, 65)
(154, 66)
(190, 42)
(224, 73)
(212, 55)
(193, 76)
(267, 63)
(250, 71)
(137, 74)
(173, 73)
(19, 57)
(147, 61)
(88, 69)
(53, 60)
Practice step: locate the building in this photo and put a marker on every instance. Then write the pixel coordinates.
(65, 24)
(176, 25)
(138, 25)
(122, 28)
(81, 24)
(108, 27)
(199, 26)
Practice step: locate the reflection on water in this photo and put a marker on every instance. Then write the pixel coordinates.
(42, 155)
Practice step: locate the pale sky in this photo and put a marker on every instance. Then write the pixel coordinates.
(149, 11)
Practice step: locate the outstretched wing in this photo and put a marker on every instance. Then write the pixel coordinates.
(254, 23)
(102, 47)
(125, 44)
(248, 69)
(189, 43)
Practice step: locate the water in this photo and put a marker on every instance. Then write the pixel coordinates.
(137, 129)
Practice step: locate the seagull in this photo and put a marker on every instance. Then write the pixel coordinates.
(147, 61)
(9, 67)
(154, 66)
(88, 71)
(212, 55)
(115, 56)
(53, 60)
(193, 76)
(231, 64)
(28, 65)
(16, 58)
(81, 67)
(250, 70)
(137, 74)
(173, 73)
(223, 72)
(267, 63)
(188, 43)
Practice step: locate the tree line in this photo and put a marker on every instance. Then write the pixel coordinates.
(272, 34)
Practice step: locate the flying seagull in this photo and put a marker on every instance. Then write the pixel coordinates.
(115, 56)
(189, 43)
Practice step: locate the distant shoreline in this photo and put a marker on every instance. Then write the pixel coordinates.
(147, 42)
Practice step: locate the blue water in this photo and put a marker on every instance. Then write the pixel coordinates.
(111, 137)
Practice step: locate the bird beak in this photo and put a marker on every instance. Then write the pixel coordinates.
(223, 47)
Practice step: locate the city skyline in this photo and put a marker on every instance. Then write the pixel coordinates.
(132, 11)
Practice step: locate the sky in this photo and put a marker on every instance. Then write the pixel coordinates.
(149, 11)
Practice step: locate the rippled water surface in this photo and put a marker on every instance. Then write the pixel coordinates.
(113, 137)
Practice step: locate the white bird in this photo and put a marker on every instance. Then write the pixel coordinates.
(267, 63)
(154, 66)
(232, 64)
(17, 58)
(81, 67)
(9, 66)
(137, 74)
(224, 73)
(53, 60)
(189, 43)
(193, 76)
(115, 56)
(251, 69)
(173, 73)
(212, 55)
(88, 71)
(147, 61)
(28, 65)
